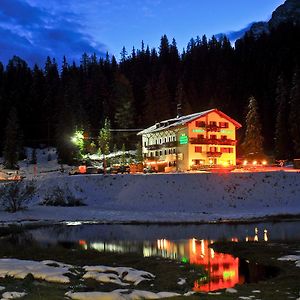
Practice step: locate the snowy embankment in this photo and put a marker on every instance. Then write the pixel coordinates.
(167, 197)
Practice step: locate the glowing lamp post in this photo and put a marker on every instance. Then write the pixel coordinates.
(78, 140)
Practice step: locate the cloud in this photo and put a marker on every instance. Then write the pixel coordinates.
(234, 35)
(34, 32)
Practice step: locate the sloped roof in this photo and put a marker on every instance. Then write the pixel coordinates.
(176, 122)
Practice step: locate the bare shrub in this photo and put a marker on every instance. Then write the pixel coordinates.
(58, 196)
(15, 195)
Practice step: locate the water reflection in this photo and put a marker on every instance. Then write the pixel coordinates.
(222, 270)
(185, 243)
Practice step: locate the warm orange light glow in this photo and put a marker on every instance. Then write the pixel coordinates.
(225, 164)
(254, 163)
(264, 162)
(82, 169)
(223, 269)
(82, 242)
(245, 162)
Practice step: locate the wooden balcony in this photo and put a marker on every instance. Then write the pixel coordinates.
(151, 158)
(214, 128)
(153, 147)
(227, 142)
(171, 144)
(214, 154)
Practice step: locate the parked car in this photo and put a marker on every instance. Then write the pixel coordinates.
(120, 169)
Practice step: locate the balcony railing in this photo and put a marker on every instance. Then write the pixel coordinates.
(154, 146)
(164, 145)
(214, 154)
(204, 141)
(170, 144)
(214, 128)
(152, 158)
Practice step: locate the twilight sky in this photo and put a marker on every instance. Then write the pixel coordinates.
(33, 29)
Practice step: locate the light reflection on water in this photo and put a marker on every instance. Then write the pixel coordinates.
(222, 269)
(188, 244)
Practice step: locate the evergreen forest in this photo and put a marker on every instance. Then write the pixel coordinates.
(47, 104)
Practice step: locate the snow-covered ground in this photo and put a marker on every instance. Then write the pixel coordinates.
(180, 197)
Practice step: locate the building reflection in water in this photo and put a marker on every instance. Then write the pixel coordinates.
(222, 270)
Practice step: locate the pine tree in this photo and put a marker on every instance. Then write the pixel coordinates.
(105, 138)
(139, 152)
(282, 141)
(182, 99)
(123, 96)
(33, 159)
(253, 141)
(294, 116)
(164, 104)
(12, 143)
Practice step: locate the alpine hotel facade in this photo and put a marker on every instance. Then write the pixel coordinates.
(191, 142)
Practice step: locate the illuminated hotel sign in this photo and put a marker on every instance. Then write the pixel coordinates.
(226, 131)
(199, 130)
(183, 139)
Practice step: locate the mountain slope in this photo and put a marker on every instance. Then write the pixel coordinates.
(287, 12)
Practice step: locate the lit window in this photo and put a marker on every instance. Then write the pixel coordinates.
(226, 150)
(223, 124)
(198, 149)
(200, 124)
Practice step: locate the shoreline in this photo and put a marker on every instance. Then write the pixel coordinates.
(44, 223)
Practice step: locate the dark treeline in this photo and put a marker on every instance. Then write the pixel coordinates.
(145, 86)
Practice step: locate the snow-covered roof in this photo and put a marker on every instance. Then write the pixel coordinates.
(166, 124)
(175, 122)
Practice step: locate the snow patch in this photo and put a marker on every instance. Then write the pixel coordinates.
(231, 290)
(108, 274)
(19, 269)
(120, 295)
(13, 295)
(295, 258)
(181, 281)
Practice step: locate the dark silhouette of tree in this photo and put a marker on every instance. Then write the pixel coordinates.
(282, 141)
(12, 142)
(294, 117)
(210, 73)
(253, 141)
